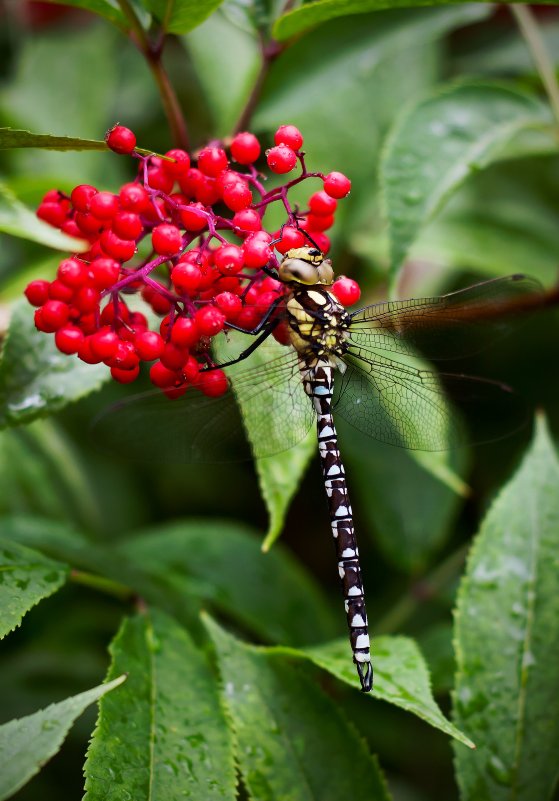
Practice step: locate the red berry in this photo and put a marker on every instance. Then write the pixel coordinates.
(245, 148)
(104, 272)
(86, 354)
(172, 356)
(166, 239)
(68, 339)
(81, 196)
(55, 314)
(337, 185)
(207, 191)
(117, 248)
(127, 225)
(60, 291)
(180, 164)
(125, 357)
(125, 376)
(213, 383)
(37, 292)
(237, 196)
(289, 135)
(194, 217)
(72, 272)
(322, 203)
(185, 332)
(186, 277)
(87, 299)
(120, 139)
(161, 377)
(40, 324)
(133, 197)
(212, 160)
(159, 179)
(104, 343)
(88, 224)
(70, 228)
(190, 182)
(190, 369)
(103, 205)
(257, 251)
(110, 313)
(291, 237)
(346, 290)
(321, 240)
(319, 222)
(52, 213)
(229, 259)
(210, 320)
(149, 345)
(281, 159)
(229, 304)
(247, 220)
(281, 333)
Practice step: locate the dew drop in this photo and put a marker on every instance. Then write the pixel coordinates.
(497, 769)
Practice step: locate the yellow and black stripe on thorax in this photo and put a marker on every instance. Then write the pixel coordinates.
(318, 323)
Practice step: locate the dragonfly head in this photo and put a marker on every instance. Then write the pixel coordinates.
(306, 266)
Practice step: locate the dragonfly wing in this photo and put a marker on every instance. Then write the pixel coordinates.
(194, 428)
(447, 327)
(399, 402)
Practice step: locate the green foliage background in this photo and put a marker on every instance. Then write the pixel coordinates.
(239, 682)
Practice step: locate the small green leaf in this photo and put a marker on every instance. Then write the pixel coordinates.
(27, 743)
(17, 220)
(401, 677)
(507, 639)
(35, 378)
(299, 20)
(279, 475)
(293, 742)
(438, 143)
(270, 593)
(181, 16)
(164, 736)
(26, 577)
(104, 8)
(13, 137)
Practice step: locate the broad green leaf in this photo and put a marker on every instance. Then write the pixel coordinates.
(270, 593)
(26, 577)
(401, 676)
(164, 737)
(279, 476)
(299, 20)
(181, 16)
(13, 137)
(17, 220)
(438, 143)
(35, 378)
(26, 744)
(436, 646)
(104, 8)
(409, 509)
(287, 731)
(507, 639)
(227, 74)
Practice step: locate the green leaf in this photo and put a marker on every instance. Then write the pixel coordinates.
(181, 16)
(222, 562)
(26, 577)
(409, 508)
(299, 20)
(17, 220)
(287, 731)
(13, 137)
(401, 677)
(279, 476)
(438, 143)
(164, 737)
(104, 8)
(227, 74)
(26, 744)
(35, 378)
(507, 639)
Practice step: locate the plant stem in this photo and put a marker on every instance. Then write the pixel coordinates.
(101, 584)
(534, 40)
(270, 52)
(153, 52)
(423, 590)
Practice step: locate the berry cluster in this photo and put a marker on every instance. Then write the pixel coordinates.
(190, 240)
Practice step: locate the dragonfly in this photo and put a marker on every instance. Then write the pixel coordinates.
(366, 366)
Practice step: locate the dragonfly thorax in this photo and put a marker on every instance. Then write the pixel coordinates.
(318, 324)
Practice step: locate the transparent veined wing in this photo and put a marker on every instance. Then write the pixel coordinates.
(268, 401)
(449, 326)
(399, 402)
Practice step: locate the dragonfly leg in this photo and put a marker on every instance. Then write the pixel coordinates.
(256, 330)
(245, 353)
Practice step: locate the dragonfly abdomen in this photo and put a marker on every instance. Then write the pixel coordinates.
(319, 386)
